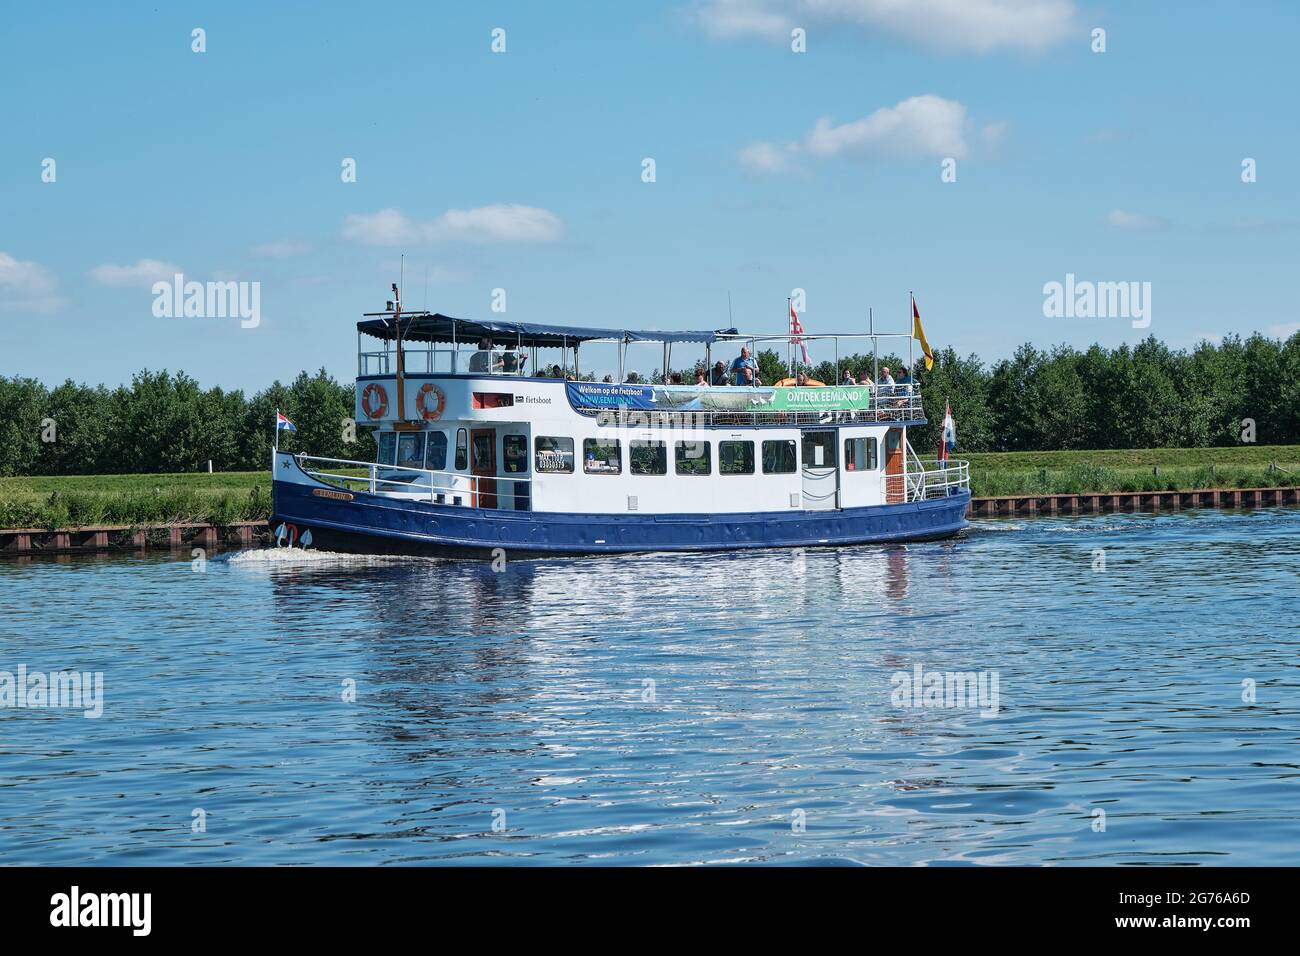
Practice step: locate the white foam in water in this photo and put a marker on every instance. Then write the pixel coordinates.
(312, 558)
(993, 526)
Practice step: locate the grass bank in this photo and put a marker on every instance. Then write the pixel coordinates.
(85, 500)
(1133, 470)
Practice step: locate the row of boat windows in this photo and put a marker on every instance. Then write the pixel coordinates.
(604, 456)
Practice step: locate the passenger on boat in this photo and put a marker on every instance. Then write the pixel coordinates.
(557, 372)
(744, 369)
(608, 379)
(700, 377)
(886, 386)
(719, 376)
(485, 360)
(675, 379)
(633, 378)
(848, 377)
(800, 379)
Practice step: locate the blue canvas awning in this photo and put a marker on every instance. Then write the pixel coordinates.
(435, 327)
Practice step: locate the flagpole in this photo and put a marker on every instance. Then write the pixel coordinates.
(276, 445)
(911, 318)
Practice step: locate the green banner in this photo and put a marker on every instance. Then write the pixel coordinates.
(820, 397)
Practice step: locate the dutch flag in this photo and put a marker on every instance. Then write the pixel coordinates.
(282, 422)
(949, 440)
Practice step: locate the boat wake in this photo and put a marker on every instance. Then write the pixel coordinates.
(312, 558)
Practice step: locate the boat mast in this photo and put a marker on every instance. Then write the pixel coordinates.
(401, 364)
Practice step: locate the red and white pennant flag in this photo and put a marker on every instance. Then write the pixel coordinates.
(796, 333)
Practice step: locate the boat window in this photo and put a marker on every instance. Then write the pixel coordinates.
(410, 450)
(462, 450)
(693, 458)
(435, 455)
(860, 454)
(779, 457)
(387, 446)
(554, 455)
(647, 458)
(601, 456)
(514, 448)
(735, 457)
(819, 449)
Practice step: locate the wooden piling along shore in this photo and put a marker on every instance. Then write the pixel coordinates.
(246, 534)
(28, 541)
(1131, 501)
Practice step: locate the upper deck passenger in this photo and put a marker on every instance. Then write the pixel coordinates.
(744, 370)
(719, 375)
(485, 360)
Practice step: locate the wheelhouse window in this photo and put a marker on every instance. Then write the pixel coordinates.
(601, 456)
(735, 457)
(860, 454)
(387, 448)
(819, 449)
(692, 458)
(410, 450)
(514, 450)
(435, 452)
(462, 449)
(647, 458)
(554, 455)
(779, 457)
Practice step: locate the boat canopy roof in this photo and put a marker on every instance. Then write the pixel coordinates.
(435, 327)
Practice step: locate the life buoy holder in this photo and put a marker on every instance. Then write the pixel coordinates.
(374, 400)
(421, 401)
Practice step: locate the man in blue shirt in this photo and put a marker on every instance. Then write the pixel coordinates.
(744, 370)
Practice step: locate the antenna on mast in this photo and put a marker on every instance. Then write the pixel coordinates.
(730, 321)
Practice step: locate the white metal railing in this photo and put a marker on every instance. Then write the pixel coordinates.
(436, 361)
(447, 487)
(927, 478)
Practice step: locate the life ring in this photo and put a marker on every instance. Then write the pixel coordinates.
(368, 400)
(430, 414)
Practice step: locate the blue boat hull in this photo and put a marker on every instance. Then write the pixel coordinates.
(375, 524)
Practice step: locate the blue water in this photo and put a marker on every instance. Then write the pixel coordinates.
(669, 709)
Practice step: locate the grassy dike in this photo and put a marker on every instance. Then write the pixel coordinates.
(92, 500)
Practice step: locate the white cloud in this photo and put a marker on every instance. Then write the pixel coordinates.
(1284, 331)
(981, 26)
(503, 222)
(284, 249)
(767, 157)
(26, 286)
(145, 272)
(925, 125)
(1123, 219)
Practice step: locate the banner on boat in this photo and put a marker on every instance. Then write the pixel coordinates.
(689, 398)
(820, 398)
(604, 395)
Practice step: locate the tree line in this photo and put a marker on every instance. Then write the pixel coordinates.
(1142, 396)
(164, 422)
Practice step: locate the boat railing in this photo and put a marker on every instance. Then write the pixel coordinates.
(927, 478)
(887, 405)
(444, 361)
(439, 487)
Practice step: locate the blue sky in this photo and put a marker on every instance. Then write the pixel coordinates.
(522, 170)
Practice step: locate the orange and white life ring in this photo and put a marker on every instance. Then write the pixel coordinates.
(421, 401)
(374, 400)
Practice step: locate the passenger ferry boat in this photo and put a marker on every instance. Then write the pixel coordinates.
(478, 454)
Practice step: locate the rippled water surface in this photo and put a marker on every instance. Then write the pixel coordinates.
(669, 709)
